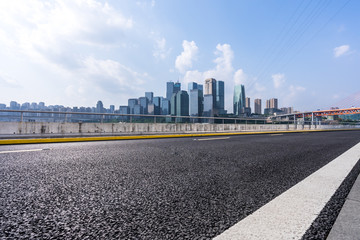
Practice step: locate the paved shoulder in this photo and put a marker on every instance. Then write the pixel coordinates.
(347, 225)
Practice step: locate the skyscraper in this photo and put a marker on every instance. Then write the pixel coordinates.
(143, 102)
(177, 87)
(169, 90)
(157, 103)
(220, 97)
(239, 99)
(99, 107)
(182, 103)
(257, 106)
(192, 85)
(208, 106)
(247, 102)
(165, 107)
(124, 110)
(274, 103)
(131, 104)
(210, 89)
(149, 96)
(195, 99)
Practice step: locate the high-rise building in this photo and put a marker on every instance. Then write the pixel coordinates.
(208, 106)
(195, 99)
(99, 107)
(239, 99)
(157, 103)
(268, 103)
(112, 108)
(210, 89)
(131, 104)
(192, 85)
(177, 87)
(220, 97)
(165, 107)
(173, 105)
(247, 102)
(210, 86)
(149, 96)
(151, 109)
(196, 102)
(257, 106)
(124, 110)
(143, 101)
(274, 103)
(182, 105)
(169, 90)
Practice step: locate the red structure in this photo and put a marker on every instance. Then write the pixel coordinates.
(333, 112)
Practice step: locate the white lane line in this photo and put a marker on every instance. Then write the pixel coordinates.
(208, 139)
(289, 215)
(277, 134)
(25, 150)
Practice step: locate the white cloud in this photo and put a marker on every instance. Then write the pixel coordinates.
(7, 81)
(278, 80)
(160, 50)
(341, 50)
(111, 76)
(239, 77)
(187, 56)
(48, 30)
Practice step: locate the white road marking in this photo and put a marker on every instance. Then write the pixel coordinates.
(289, 215)
(277, 134)
(208, 139)
(25, 150)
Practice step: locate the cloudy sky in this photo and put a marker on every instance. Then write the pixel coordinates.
(76, 52)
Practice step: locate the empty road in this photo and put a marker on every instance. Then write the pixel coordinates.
(186, 188)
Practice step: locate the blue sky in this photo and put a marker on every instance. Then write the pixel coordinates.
(305, 53)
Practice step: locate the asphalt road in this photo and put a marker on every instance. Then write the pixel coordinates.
(153, 189)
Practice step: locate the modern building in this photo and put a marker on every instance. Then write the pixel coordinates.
(196, 99)
(151, 109)
(99, 107)
(220, 97)
(165, 107)
(124, 110)
(169, 90)
(239, 100)
(143, 102)
(247, 106)
(274, 103)
(177, 87)
(173, 105)
(192, 85)
(131, 104)
(271, 106)
(157, 102)
(149, 96)
(257, 106)
(182, 105)
(196, 103)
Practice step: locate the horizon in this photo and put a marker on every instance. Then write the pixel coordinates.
(303, 53)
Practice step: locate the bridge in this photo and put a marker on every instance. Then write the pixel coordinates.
(318, 114)
(234, 184)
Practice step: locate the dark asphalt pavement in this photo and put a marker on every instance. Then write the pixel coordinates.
(153, 189)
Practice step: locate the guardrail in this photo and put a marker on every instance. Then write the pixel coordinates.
(60, 116)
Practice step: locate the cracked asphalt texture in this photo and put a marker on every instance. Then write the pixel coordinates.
(153, 189)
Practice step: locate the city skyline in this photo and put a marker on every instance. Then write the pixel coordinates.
(194, 102)
(75, 53)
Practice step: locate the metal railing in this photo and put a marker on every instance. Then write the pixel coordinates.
(61, 116)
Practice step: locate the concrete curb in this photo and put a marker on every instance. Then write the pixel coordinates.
(347, 224)
(135, 137)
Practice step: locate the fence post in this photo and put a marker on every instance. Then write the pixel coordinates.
(22, 116)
